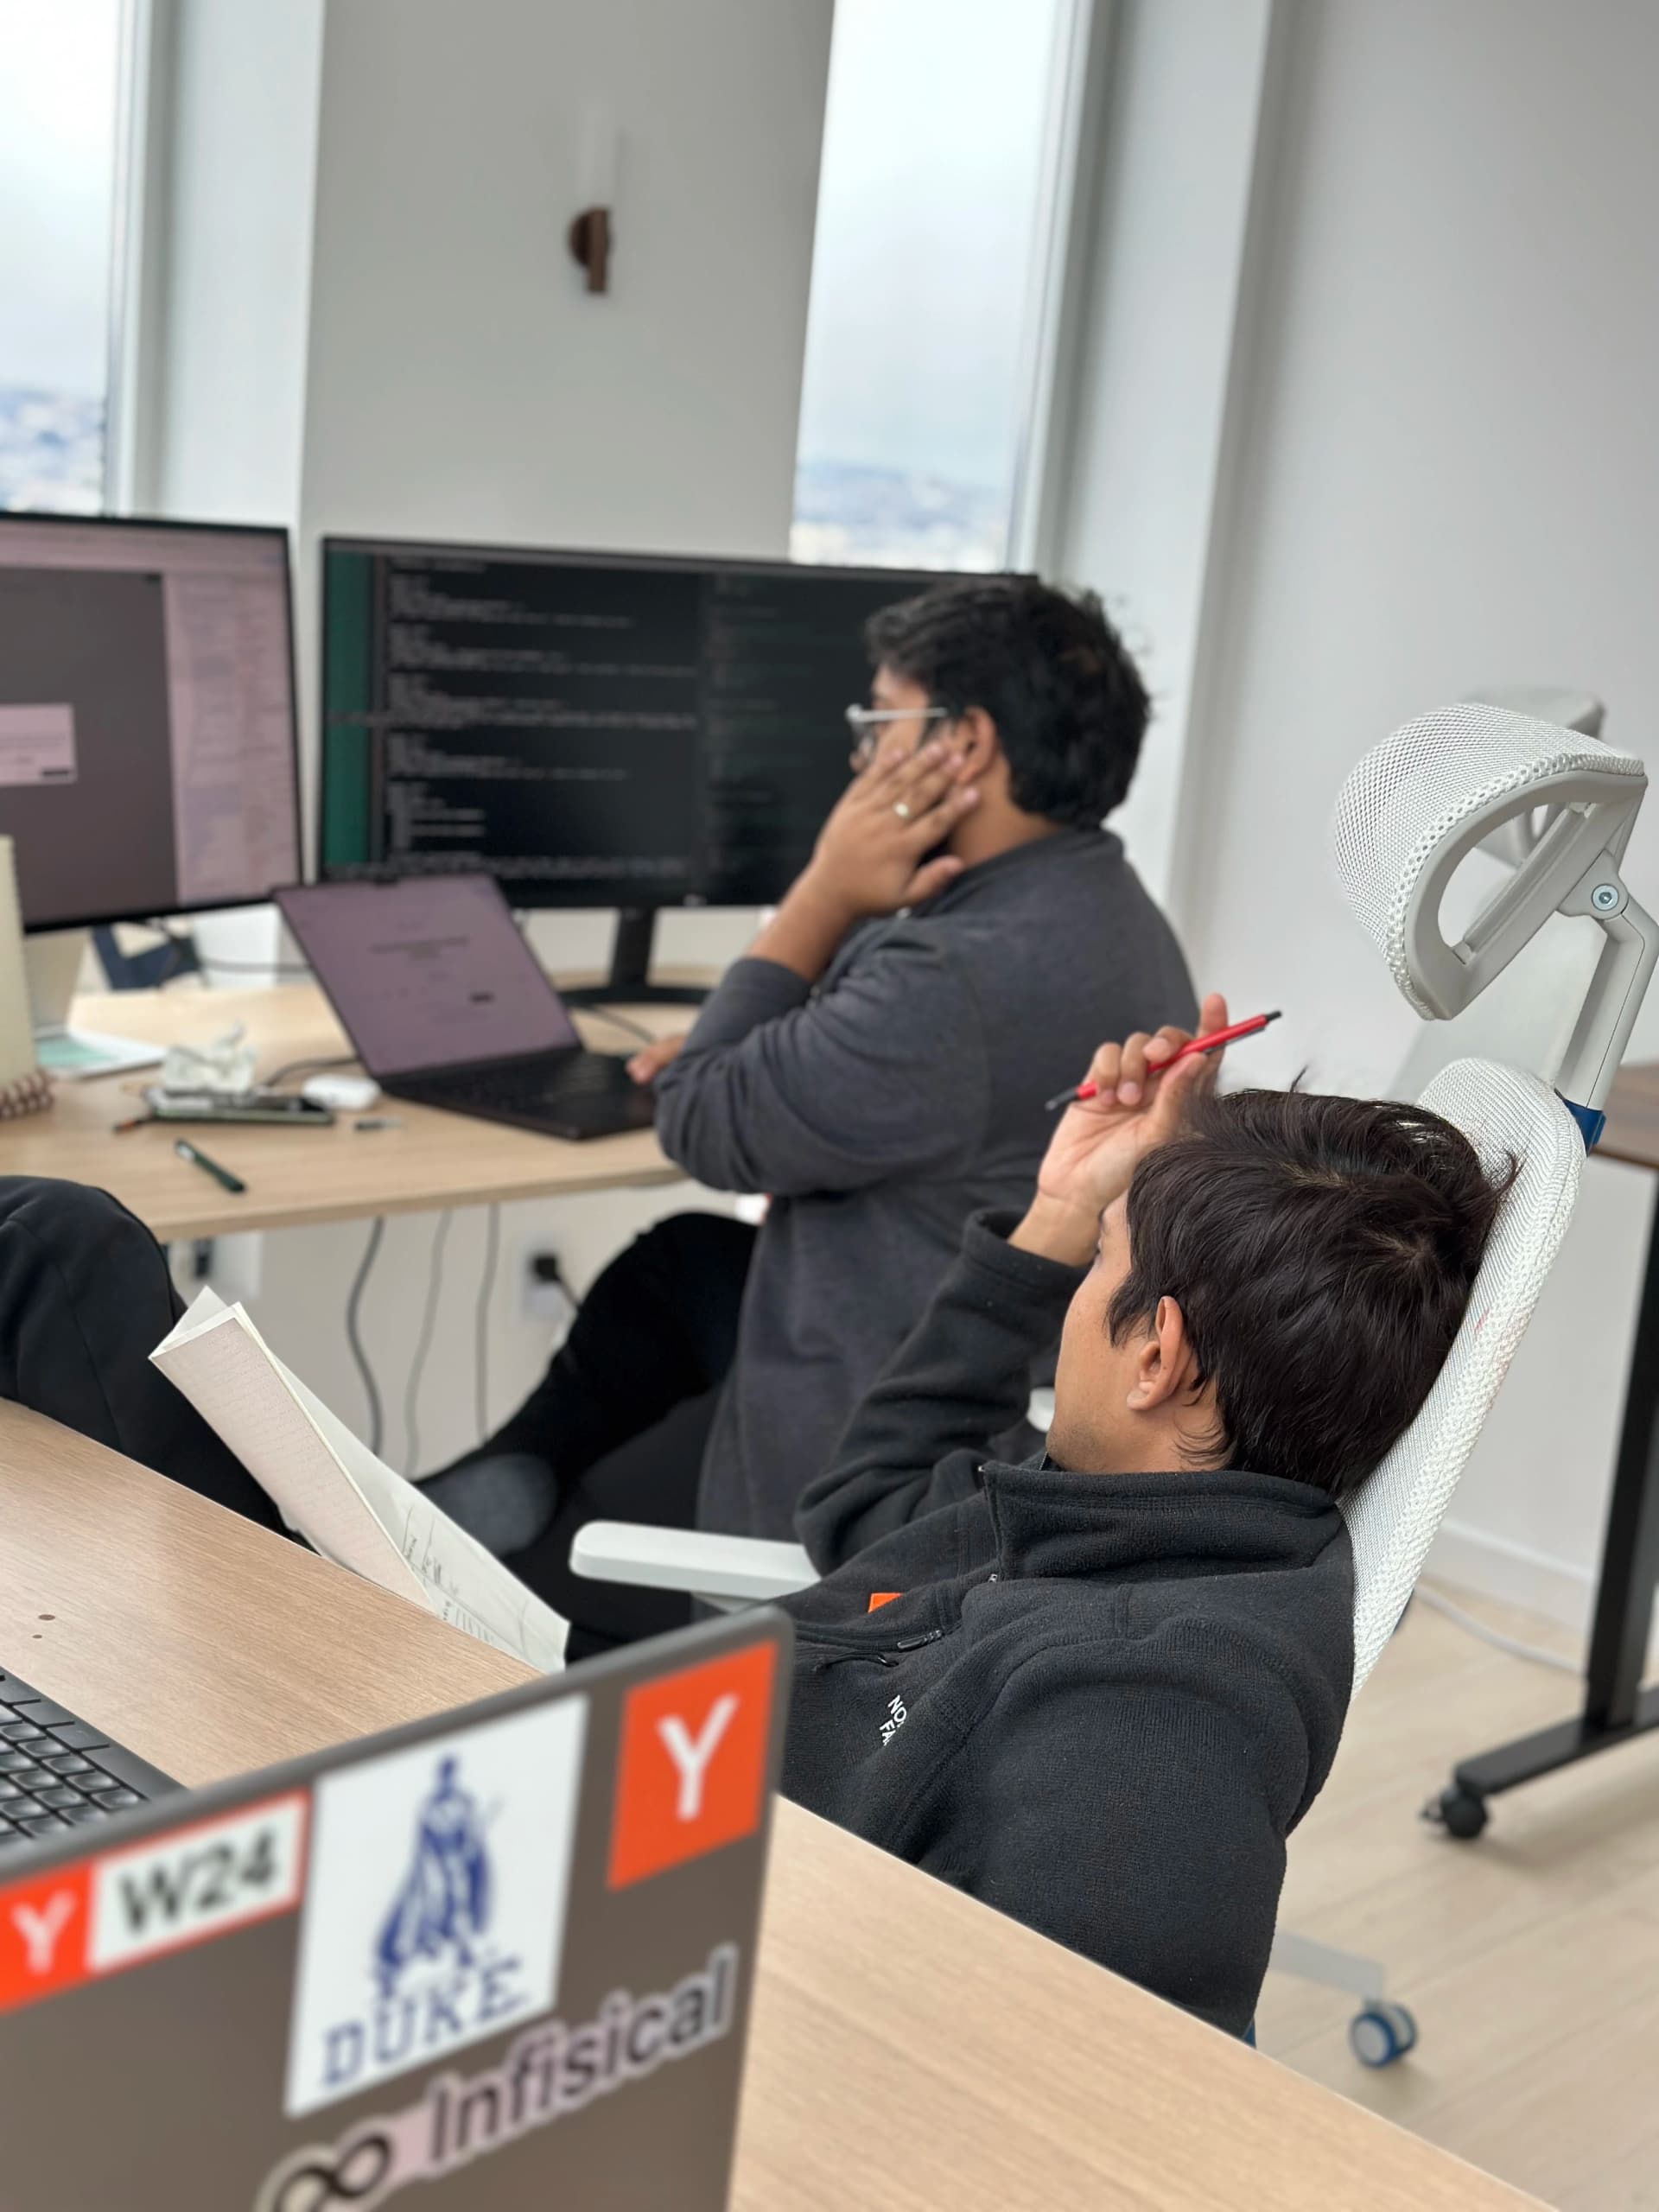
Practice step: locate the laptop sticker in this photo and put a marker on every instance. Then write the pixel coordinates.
(550, 2073)
(435, 1905)
(186, 1886)
(692, 1772)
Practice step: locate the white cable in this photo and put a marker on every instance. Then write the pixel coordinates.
(1495, 1636)
(422, 1347)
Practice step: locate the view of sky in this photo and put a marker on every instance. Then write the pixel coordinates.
(57, 135)
(933, 143)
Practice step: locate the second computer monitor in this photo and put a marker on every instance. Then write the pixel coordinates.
(148, 754)
(593, 730)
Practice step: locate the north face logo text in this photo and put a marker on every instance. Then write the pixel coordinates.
(898, 1713)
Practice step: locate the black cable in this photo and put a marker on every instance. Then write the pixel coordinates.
(423, 1347)
(481, 1362)
(251, 967)
(188, 943)
(634, 1028)
(353, 1301)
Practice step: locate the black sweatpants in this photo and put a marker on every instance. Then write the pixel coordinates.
(623, 1413)
(84, 1299)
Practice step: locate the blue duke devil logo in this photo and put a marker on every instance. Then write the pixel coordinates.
(435, 1900)
(437, 1980)
(444, 1904)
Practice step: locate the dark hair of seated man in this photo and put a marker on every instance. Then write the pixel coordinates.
(1320, 1251)
(1049, 670)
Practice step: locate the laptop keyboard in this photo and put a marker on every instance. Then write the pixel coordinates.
(58, 1772)
(587, 1074)
(566, 1082)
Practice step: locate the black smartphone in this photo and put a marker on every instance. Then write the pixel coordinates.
(284, 1110)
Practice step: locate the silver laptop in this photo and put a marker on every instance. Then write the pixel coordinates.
(446, 1004)
(497, 1962)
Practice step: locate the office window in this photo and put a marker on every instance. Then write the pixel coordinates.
(60, 79)
(934, 199)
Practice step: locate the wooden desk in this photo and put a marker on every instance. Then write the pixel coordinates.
(297, 1177)
(1616, 1707)
(911, 2048)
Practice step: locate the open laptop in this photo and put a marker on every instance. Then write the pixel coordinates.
(504, 1953)
(446, 1004)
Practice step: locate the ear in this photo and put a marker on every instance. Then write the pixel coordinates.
(978, 747)
(1166, 1370)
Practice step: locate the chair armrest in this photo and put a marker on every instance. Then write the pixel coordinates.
(746, 1568)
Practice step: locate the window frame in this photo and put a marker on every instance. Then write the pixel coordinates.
(136, 216)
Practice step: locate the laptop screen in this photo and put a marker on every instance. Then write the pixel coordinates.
(430, 972)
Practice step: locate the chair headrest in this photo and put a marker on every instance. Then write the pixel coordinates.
(1443, 783)
(1393, 1516)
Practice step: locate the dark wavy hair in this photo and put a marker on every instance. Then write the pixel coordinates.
(1050, 670)
(1322, 1252)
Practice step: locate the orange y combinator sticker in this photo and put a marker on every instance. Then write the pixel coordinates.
(691, 1772)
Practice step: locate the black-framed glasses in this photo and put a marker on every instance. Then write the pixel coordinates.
(867, 723)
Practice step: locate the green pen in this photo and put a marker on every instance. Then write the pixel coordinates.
(222, 1176)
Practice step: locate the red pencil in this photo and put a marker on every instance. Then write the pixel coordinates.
(1212, 1043)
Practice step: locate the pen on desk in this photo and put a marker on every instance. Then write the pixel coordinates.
(379, 1121)
(1210, 1043)
(222, 1176)
(132, 1122)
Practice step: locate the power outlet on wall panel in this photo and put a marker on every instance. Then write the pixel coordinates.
(544, 1294)
(233, 1265)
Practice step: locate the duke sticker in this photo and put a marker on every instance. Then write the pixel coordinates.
(435, 1910)
(693, 1765)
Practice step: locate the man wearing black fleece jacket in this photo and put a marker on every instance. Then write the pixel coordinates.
(1098, 1691)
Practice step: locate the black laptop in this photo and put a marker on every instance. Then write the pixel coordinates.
(446, 1005)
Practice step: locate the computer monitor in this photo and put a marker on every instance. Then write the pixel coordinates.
(148, 757)
(593, 730)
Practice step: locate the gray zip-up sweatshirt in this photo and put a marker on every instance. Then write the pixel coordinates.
(883, 1107)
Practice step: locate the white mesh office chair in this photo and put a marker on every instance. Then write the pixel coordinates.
(1409, 812)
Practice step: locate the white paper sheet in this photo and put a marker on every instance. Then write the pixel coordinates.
(348, 1504)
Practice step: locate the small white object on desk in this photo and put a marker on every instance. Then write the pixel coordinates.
(344, 1094)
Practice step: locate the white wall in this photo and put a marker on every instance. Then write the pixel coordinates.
(1449, 477)
(461, 382)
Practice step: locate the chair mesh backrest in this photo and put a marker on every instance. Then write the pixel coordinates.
(1408, 794)
(1393, 1517)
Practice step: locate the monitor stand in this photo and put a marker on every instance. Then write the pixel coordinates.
(52, 960)
(630, 968)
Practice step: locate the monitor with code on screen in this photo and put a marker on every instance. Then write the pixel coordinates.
(592, 730)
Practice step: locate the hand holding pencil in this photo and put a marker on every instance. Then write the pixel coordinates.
(1138, 1096)
(1120, 1071)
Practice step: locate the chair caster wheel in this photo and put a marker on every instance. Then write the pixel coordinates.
(1459, 1811)
(1381, 2033)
